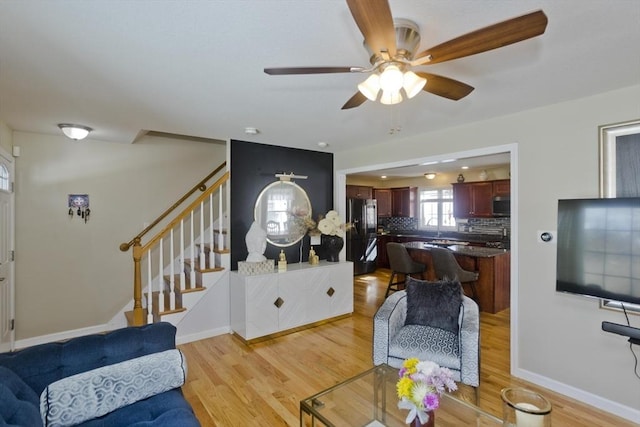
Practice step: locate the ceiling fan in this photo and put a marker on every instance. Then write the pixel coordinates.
(392, 49)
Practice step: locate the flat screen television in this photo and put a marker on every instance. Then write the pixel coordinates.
(598, 248)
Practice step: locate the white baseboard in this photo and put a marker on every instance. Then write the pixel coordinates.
(184, 339)
(61, 336)
(599, 402)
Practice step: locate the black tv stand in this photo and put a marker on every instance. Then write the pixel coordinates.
(627, 331)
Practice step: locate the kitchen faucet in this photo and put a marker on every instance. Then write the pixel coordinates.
(437, 225)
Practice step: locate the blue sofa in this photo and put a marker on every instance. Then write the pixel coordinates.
(25, 374)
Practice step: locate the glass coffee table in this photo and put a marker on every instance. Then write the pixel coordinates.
(369, 400)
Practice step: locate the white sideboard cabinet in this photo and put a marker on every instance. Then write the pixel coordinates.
(271, 303)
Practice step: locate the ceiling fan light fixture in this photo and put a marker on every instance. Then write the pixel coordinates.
(391, 79)
(75, 132)
(390, 98)
(413, 84)
(370, 87)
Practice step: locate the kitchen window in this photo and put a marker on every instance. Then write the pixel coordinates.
(436, 209)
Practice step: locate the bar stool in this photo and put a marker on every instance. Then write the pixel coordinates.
(446, 267)
(401, 263)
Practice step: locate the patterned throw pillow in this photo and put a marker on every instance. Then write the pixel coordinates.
(435, 304)
(94, 393)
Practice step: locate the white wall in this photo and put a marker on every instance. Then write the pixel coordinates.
(72, 275)
(561, 344)
(6, 137)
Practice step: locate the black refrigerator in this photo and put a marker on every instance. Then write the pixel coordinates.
(362, 237)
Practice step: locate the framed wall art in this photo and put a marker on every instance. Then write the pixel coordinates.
(620, 159)
(620, 173)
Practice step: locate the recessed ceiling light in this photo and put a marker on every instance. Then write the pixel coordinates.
(464, 167)
(383, 176)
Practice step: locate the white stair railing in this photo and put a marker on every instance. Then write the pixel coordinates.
(161, 251)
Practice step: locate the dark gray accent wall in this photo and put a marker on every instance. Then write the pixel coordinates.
(253, 167)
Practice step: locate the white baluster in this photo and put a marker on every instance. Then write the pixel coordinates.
(201, 254)
(221, 216)
(161, 278)
(212, 258)
(149, 290)
(192, 275)
(172, 284)
(183, 266)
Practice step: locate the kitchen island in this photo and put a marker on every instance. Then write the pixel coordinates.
(493, 265)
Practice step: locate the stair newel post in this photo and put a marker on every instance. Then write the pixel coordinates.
(203, 261)
(183, 277)
(138, 313)
(160, 277)
(220, 220)
(212, 261)
(192, 275)
(172, 280)
(149, 290)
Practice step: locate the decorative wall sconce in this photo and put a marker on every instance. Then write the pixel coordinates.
(79, 205)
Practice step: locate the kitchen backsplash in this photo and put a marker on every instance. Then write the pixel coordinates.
(397, 223)
(495, 226)
(486, 225)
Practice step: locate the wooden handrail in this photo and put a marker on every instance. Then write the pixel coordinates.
(124, 247)
(185, 212)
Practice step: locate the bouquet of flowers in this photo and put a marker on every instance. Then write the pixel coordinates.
(331, 225)
(420, 385)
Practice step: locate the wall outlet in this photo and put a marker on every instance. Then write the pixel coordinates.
(546, 236)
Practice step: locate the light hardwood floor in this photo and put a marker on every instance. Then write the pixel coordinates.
(233, 384)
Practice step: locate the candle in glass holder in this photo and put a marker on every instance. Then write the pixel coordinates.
(526, 419)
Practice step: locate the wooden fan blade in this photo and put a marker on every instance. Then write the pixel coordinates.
(355, 101)
(311, 70)
(444, 86)
(488, 38)
(375, 22)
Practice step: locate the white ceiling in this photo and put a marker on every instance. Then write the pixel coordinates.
(196, 67)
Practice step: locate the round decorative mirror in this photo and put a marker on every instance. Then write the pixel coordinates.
(283, 209)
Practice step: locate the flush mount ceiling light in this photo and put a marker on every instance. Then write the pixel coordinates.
(430, 175)
(75, 132)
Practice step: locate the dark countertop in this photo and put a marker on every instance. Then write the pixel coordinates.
(476, 251)
(448, 235)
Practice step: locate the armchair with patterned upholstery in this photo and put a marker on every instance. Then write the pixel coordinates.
(393, 341)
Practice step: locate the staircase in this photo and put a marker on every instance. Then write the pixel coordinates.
(190, 255)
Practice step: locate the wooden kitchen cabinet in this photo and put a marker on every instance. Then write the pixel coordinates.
(359, 192)
(494, 276)
(502, 187)
(403, 201)
(382, 260)
(383, 201)
(473, 199)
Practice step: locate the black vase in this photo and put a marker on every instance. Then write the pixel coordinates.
(332, 246)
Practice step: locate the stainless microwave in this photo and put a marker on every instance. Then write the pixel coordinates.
(502, 206)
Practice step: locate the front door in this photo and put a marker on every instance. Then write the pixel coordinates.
(7, 289)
